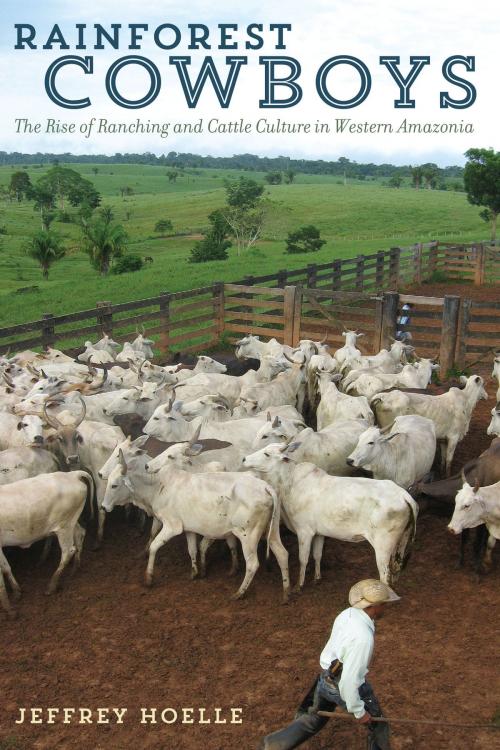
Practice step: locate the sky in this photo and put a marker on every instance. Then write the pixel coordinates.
(321, 29)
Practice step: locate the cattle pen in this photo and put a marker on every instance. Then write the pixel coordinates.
(315, 301)
(106, 640)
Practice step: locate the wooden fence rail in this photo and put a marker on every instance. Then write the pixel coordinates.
(310, 302)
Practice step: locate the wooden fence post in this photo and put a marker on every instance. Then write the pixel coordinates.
(104, 315)
(218, 301)
(48, 330)
(292, 304)
(449, 332)
(433, 258)
(394, 263)
(480, 265)
(379, 270)
(417, 278)
(461, 345)
(337, 274)
(164, 322)
(282, 277)
(312, 270)
(377, 332)
(389, 319)
(360, 272)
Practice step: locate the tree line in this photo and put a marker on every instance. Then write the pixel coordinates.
(251, 162)
(240, 221)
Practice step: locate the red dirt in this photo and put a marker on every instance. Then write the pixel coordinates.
(105, 640)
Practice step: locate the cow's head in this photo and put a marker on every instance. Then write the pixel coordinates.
(66, 441)
(494, 425)
(207, 364)
(130, 449)
(212, 407)
(469, 508)
(370, 446)
(273, 459)
(278, 430)
(475, 385)
(31, 427)
(249, 347)
(119, 490)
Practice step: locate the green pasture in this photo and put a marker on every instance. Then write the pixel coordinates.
(360, 217)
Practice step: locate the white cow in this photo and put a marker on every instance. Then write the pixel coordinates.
(451, 412)
(228, 386)
(95, 356)
(496, 373)
(19, 431)
(318, 362)
(404, 452)
(328, 448)
(22, 463)
(211, 407)
(214, 504)
(388, 361)
(286, 388)
(316, 504)
(474, 506)
(107, 344)
(270, 366)
(349, 352)
(134, 454)
(87, 444)
(494, 425)
(138, 400)
(335, 405)
(143, 346)
(33, 509)
(411, 376)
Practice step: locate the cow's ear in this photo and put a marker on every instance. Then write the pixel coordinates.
(463, 379)
(394, 434)
(293, 447)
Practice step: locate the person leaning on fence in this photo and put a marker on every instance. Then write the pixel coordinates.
(404, 320)
(341, 683)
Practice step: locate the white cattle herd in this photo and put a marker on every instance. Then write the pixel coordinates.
(234, 458)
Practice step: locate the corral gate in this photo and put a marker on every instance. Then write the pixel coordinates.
(326, 314)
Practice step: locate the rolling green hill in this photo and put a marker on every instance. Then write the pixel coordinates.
(360, 217)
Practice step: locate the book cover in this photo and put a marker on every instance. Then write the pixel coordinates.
(188, 174)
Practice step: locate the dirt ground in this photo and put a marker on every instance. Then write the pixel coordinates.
(106, 641)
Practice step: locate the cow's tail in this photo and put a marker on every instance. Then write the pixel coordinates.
(88, 509)
(275, 517)
(401, 552)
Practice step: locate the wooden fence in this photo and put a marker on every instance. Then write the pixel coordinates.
(310, 302)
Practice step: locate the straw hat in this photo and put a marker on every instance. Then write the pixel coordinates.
(371, 591)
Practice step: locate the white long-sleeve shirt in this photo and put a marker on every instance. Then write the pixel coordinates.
(351, 642)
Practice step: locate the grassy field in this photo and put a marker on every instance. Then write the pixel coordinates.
(359, 217)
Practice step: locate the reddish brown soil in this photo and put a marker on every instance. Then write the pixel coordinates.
(105, 640)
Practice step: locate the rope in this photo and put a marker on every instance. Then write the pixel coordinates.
(428, 722)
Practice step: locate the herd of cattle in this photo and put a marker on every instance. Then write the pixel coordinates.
(328, 445)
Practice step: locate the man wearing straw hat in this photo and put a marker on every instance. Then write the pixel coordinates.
(344, 663)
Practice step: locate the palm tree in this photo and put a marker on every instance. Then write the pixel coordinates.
(46, 247)
(103, 240)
